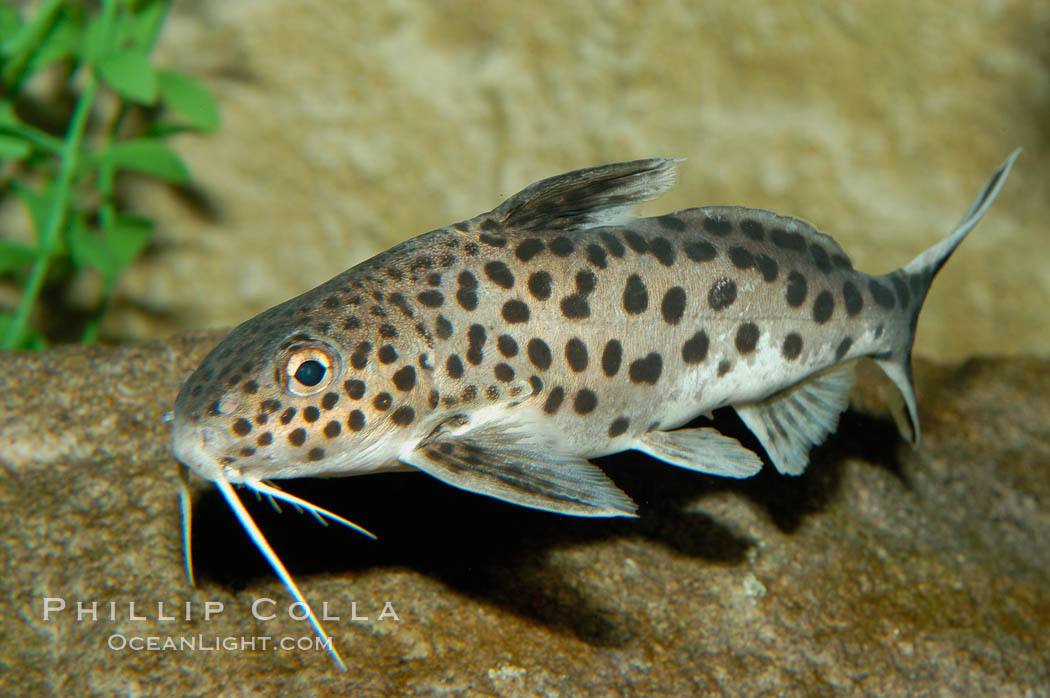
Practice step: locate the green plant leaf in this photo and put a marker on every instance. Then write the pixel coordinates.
(14, 148)
(14, 256)
(126, 238)
(87, 249)
(38, 205)
(191, 99)
(147, 156)
(8, 117)
(10, 23)
(148, 18)
(130, 74)
(23, 41)
(61, 41)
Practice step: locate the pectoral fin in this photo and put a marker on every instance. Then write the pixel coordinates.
(703, 450)
(791, 422)
(501, 463)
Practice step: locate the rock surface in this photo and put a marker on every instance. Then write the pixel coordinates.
(351, 126)
(881, 571)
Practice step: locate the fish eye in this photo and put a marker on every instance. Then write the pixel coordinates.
(309, 368)
(310, 372)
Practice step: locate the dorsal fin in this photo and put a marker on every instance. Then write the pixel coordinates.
(585, 198)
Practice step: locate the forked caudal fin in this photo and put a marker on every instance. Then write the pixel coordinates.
(911, 283)
(259, 539)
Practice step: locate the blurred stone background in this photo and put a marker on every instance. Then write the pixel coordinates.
(350, 126)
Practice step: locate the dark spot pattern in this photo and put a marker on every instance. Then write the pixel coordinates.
(792, 346)
(242, 427)
(467, 296)
(700, 251)
(431, 298)
(311, 414)
(576, 354)
(264, 439)
(673, 305)
(843, 348)
(823, 307)
(316, 454)
(554, 400)
(515, 312)
(612, 356)
(539, 354)
(768, 266)
(882, 295)
(404, 378)
(297, 437)
(561, 247)
(752, 229)
(356, 420)
(615, 247)
(672, 223)
(724, 366)
(788, 241)
(250, 387)
(540, 285)
(596, 256)
(329, 400)
(635, 241)
(475, 344)
(354, 388)
(820, 257)
(851, 297)
(332, 429)
(403, 416)
(646, 370)
(288, 415)
(662, 250)
(618, 426)
(717, 225)
(507, 346)
(387, 331)
(722, 294)
(635, 295)
(387, 354)
(454, 366)
(499, 274)
(503, 372)
(795, 291)
(741, 257)
(746, 338)
(575, 307)
(359, 359)
(694, 350)
(536, 384)
(528, 249)
(585, 401)
(382, 401)
(442, 327)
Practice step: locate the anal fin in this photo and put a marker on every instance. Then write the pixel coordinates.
(504, 463)
(704, 450)
(794, 420)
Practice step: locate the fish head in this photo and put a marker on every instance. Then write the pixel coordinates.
(277, 399)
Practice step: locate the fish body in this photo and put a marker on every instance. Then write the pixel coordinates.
(501, 353)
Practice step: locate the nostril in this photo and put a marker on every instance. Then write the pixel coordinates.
(227, 405)
(208, 435)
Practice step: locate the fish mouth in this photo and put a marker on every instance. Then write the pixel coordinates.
(195, 446)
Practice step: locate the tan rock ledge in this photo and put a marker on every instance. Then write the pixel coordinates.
(881, 571)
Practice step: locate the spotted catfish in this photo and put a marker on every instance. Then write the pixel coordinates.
(501, 353)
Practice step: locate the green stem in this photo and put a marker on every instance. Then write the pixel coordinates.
(57, 215)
